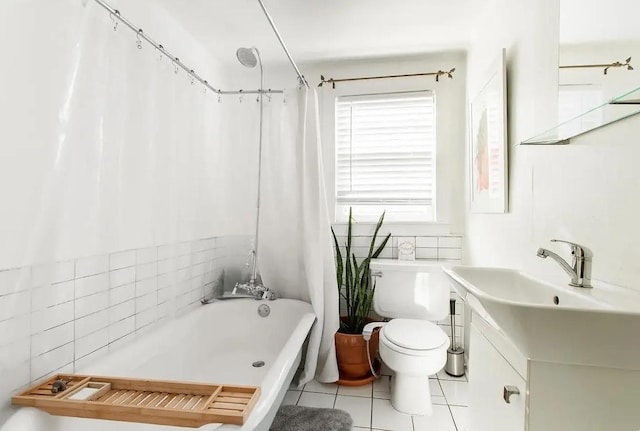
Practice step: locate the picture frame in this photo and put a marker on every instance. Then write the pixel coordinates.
(488, 158)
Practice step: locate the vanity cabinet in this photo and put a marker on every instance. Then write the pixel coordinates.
(553, 396)
(489, 374)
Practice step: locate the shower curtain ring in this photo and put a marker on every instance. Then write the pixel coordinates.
(241, 96)
(219, 97)
(160, 48)
(191, 78)
(115, 23)
(175, 65)
(138, 41)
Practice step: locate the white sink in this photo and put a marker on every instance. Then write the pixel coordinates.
(594, 326)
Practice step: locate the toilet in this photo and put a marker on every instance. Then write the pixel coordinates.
(414, 295)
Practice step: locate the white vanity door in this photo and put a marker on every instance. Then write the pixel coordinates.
(489, 373)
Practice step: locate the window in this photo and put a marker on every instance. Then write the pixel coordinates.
(386, 156)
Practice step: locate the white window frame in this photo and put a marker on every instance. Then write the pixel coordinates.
(411, 210)
(450, 147)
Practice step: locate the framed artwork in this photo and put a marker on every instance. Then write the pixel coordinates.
(488, 152)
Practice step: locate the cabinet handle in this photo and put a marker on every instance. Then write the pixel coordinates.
(508, 391)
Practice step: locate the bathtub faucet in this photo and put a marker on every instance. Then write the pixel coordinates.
(256, 289)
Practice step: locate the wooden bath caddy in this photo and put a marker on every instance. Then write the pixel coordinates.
(140, 400)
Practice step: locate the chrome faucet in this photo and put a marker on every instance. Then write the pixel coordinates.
(254, 287)
(580, 270)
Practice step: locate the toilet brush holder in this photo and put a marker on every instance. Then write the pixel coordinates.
(455, 355)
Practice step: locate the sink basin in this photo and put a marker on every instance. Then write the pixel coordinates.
(599, 326)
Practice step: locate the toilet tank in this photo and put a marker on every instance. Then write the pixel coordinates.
(410, 289)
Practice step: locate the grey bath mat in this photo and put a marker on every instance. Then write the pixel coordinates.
(299, 418)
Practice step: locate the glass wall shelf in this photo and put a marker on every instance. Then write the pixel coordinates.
(616, 109)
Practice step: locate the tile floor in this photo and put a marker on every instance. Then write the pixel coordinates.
(371, 409)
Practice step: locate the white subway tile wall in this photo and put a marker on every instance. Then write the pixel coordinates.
(59, 317)
(441, 248)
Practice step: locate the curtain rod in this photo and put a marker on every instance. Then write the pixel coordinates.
(437, 74)
(115, 14)
(627, 64)
(301, 78)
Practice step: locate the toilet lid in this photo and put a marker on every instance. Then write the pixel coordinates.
(414, 334)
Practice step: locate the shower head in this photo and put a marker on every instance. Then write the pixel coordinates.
(250, 57)
(246, 57)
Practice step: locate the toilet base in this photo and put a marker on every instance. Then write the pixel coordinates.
(411, 394)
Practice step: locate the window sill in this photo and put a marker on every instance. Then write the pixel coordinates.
(396, 228)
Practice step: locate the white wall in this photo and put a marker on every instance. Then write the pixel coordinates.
(584, 192)
(121, 193)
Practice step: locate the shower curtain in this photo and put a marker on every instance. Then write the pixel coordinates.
(295, 248)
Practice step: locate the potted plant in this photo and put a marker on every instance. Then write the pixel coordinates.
(356, 288)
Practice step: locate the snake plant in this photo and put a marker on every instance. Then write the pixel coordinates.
(354, 277)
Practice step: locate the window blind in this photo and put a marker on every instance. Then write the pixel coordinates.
(385, 156)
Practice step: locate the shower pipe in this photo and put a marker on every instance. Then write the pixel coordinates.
(437, 74)
(115, 14)
(627, 64)
(301, 79)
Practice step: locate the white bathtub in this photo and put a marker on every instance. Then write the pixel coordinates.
(216, 343)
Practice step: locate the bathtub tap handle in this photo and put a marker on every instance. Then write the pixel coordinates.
(269, 294)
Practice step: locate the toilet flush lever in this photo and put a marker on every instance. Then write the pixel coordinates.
(508, 391)
(376, 274)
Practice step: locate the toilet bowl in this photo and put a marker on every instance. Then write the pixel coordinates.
(414, 295)
(412, 362)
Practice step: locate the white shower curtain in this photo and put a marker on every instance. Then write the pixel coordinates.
(295, 248)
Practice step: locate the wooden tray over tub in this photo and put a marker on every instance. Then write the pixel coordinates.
(141, 400)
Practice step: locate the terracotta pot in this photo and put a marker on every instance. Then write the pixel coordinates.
(352, 354)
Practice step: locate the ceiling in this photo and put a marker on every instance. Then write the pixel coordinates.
(327, 29)
(316, 30)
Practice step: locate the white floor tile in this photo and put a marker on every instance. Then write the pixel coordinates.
(294, 386)
(440, 420)
(385, 417)
(323, 388)
(291, 397)
(442, 375)
(460, 417)
(358, 407)
(384, 370)
(356, 391)
(434, 385)
(382, 388)
(438, 400)
(314, 399)
(456, 393)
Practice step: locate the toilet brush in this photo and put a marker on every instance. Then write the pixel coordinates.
(455, 355)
